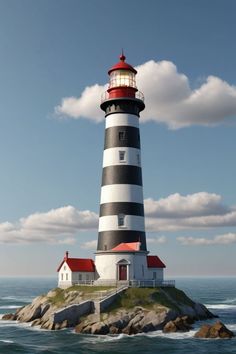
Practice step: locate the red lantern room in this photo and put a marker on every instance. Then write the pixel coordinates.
(122, 80)
(122, 85)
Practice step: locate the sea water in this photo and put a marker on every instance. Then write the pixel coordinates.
(218, 294)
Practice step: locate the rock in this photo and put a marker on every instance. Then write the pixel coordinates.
(9, 317)
(170, 327)
(217, 330)
(180, 324)
(37, 322)
(100, 328)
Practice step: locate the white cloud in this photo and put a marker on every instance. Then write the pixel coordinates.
(55, 226)
(177, 206)
(157, 240)
(176, 212)
(169, 98)
(226, 239)
(90, 245)
(199, 210)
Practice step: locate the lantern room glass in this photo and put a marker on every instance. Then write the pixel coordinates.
(123, 78)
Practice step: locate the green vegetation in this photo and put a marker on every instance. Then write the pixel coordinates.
(88, 289)
(151, 298)
(59, 296)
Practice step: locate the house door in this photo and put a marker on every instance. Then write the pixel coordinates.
(122, 272)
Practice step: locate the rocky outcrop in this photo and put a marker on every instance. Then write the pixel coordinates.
(134, 311)
(180, 324)
(217, 330)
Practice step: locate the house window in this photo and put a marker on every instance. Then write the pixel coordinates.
(65, 267)
(122, 135)
(80, 277)
(121, 220)
(66, 276)
(61, 276)
(122, 156)
(105, 247)
(154, 275)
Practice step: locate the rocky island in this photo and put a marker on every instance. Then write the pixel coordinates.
(107, 310)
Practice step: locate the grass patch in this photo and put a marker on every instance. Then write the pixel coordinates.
(179, 296)
(58, 298)
(145, 297)
(88, 289)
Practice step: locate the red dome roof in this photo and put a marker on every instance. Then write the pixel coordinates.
(122, 65)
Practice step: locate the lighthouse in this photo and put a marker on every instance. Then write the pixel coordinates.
(121, 256)
(121, 249)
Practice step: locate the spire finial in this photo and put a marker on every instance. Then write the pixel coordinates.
(122, 56)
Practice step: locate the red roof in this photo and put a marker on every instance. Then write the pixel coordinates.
(127, 246)
(122, 65)
(79, 264)
(155, 262)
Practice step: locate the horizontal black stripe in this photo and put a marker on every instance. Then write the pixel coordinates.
(122, 174)
(110, 239)
(121, 208)
(113, 137)
(123, 105)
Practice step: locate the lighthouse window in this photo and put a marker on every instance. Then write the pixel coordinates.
(122, 156)
(121, 220)
(122, 136)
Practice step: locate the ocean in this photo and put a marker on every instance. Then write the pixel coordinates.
(218, 294)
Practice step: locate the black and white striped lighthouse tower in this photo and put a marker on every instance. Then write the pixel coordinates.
(121, 221)
(121, 208)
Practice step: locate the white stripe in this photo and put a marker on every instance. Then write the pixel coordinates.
(121, 193)
(117, 119)
(131, 222)
(131, 156)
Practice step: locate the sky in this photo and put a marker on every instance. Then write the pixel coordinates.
(54, 58)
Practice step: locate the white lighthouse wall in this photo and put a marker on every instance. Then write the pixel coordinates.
(122, 119)
(122, 193)
(131, 222)
(112, 156)
(107, 269)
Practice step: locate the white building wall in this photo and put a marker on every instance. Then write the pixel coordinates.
(106, 265)
(159, 273)
(67, 278)
(64, 276)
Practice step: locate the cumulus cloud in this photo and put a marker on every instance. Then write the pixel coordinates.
(176, 212)
(199, 210)
(55, 226)
(226, 239)
(168, 96)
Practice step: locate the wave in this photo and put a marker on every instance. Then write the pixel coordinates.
(9, 307)
(94, 339)
(6, 341)
(220, 306)
(18, 298)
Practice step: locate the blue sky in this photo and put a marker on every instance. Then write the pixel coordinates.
(51, 163)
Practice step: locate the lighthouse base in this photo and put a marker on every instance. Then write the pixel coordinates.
(124, 267)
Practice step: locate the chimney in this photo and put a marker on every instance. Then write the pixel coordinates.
(66, 256)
